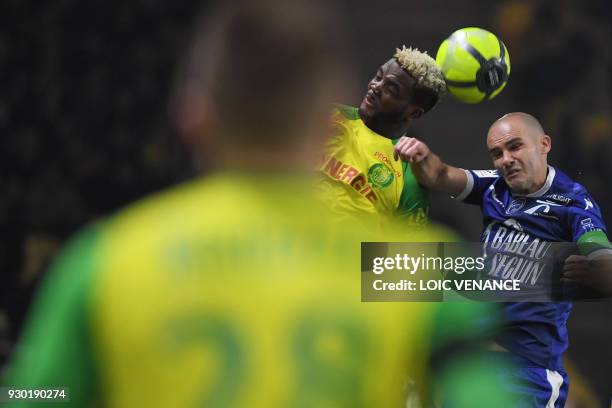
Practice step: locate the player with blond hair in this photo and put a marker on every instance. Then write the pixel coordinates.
(361, 177)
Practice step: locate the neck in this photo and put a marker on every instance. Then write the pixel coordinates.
(537, 185)
(285, 159)
(539, 181)
(391, 129)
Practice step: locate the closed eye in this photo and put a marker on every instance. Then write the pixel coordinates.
(495, 154)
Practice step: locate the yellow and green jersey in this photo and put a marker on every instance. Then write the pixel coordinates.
(362, 177)
(229, 291)
(234, 290)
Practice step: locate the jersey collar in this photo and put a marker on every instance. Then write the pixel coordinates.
(549, 180)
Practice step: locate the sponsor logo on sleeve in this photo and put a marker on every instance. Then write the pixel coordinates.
(587, 225)
(486, 173)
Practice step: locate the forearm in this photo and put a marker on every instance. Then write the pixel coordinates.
(433, 173)
(429, 171)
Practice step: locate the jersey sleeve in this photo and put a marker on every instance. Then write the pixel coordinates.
(414, 199)
(54, 350)
(588, 228)
(478, 181)
(338, 128)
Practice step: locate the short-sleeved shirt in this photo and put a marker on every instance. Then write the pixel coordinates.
(560, 211)
(231, 290)
(361, 176)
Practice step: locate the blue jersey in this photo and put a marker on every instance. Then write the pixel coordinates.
(524, 227)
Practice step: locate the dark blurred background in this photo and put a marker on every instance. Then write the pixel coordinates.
(85, 128)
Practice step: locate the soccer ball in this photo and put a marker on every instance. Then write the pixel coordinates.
(475, 64)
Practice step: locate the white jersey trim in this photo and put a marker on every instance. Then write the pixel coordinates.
(468, 186)
(549, 180)
(556, 381)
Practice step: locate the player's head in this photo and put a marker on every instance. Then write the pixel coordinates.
(262, 79)
(404, 88)
(519, 149)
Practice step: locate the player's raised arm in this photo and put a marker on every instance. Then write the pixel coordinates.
(429, 170)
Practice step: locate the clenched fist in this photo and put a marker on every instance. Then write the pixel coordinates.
(410, 150)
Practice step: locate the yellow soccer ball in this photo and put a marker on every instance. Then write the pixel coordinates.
(475, 63)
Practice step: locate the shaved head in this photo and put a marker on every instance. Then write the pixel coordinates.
(519, 149)
(521, 121)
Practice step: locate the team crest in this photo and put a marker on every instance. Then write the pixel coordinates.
(380, 176)
(515, 206)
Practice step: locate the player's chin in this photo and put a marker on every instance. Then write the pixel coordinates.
(511, 182)
(365, 110)
(515, 183)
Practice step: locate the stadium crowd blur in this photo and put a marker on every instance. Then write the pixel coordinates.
(85, 125)
(83, 114)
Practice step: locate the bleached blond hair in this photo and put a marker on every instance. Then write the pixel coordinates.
(422, 68)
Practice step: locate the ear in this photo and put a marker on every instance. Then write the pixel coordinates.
(546, 144)
(194, 116)
(413, 112)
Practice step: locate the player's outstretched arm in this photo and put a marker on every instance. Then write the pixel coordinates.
(429, 170)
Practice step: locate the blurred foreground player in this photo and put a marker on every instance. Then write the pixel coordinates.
(235, 289)
(526, 204)
(361, 177)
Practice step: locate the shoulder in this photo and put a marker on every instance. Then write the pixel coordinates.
(343, 119)
(483, 177)
(478, 183)
(566, 184)
(346, 112)
(74, 266)
(206, 204)
(175, 200)
(569, 192)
